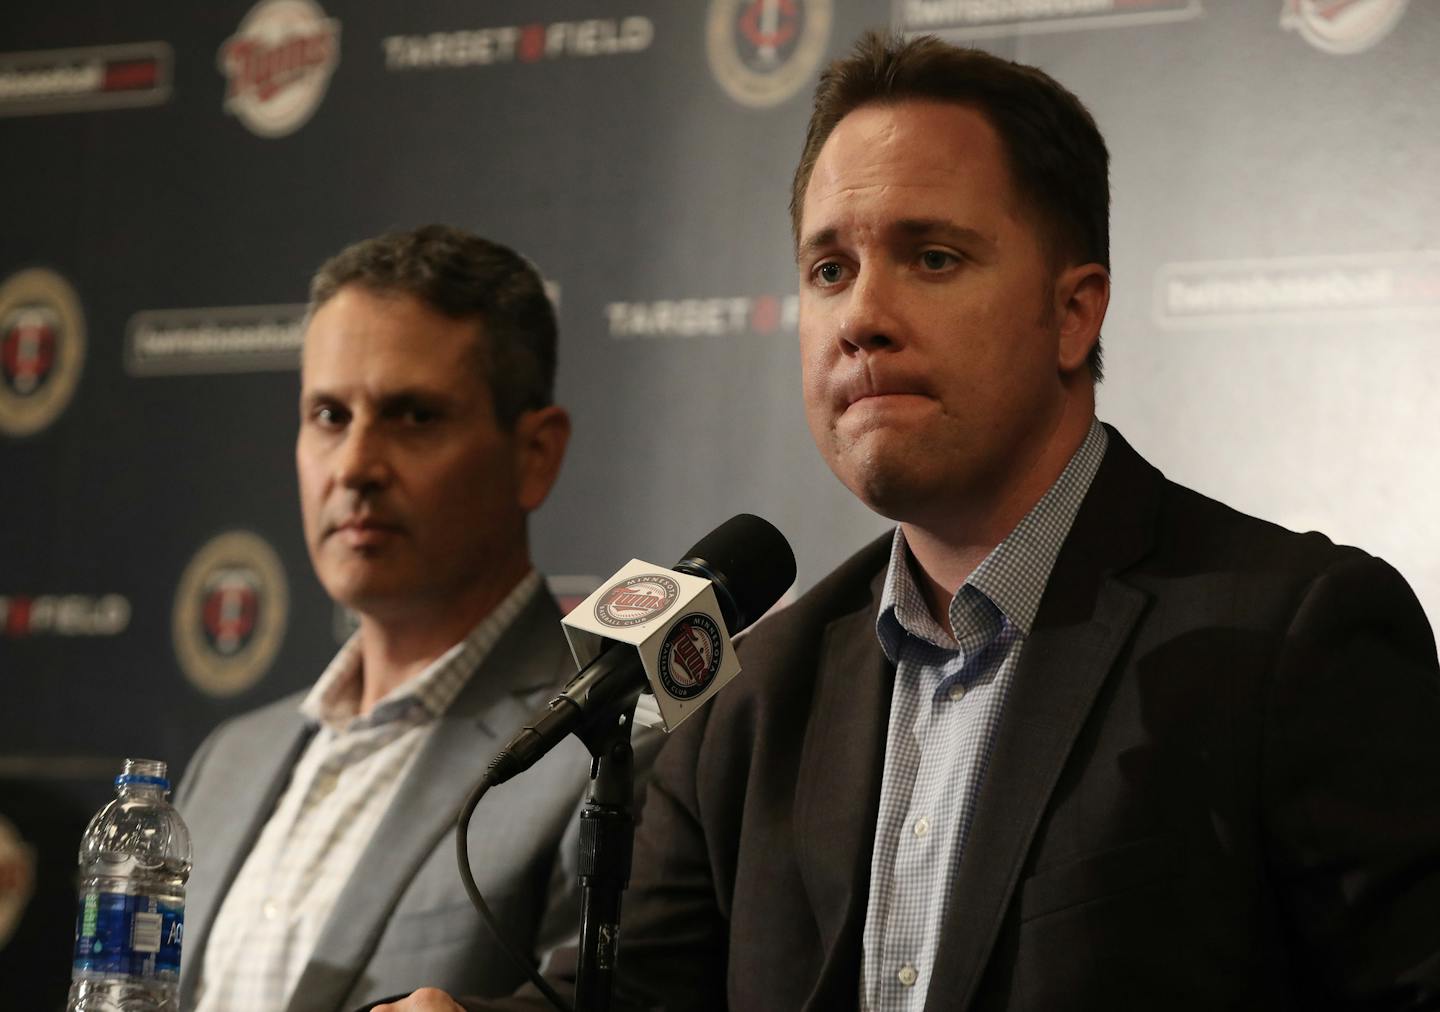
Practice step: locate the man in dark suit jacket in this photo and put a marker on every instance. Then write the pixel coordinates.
(1177, 758)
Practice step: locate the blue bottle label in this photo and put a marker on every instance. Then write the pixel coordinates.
(136, 936)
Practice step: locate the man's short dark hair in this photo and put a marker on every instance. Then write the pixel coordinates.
(463, 276)
(1057, 158)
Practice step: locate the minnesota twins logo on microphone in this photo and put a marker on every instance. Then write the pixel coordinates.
(690, 655)
(636, 599)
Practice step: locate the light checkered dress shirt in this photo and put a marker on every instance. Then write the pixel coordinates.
(338, 792)
(950, 689)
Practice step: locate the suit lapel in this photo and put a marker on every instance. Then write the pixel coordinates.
(268, 772)
(1085, 619)
(837, 793)
(493, 703)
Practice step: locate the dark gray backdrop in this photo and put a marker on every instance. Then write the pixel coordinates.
(1272, 339)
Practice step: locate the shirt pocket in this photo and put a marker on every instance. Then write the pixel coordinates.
(1098, 876)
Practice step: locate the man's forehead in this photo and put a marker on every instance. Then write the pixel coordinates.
(389, 342)
(921, 136)
(916, 154)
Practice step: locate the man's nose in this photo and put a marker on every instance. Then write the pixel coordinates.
(871, 321)
(363, 459)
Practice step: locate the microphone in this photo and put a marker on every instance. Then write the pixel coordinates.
(745, 562)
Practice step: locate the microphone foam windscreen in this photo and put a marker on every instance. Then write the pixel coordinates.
(752, 561)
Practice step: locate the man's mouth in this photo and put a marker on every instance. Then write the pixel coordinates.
(360, 531)
(871, 389)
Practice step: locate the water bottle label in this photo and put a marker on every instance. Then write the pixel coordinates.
(172, 934)
(137, 936)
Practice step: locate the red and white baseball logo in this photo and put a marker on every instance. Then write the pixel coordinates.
(636, 599)
(231, 604)
(230, 613)
(42, 349)
(1342, 26)
(764, 51)
(279, 64)
(27, 347)
(691, 655)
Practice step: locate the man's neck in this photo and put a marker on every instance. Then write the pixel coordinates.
(949, 545)
(397, 645)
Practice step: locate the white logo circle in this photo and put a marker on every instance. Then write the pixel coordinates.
(279, 63)
(1342, 26)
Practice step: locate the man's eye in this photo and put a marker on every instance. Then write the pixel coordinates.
(829, 273)
(328, 416)
(936, 259)
(420, 416)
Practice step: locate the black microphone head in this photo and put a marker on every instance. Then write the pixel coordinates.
(749, 562)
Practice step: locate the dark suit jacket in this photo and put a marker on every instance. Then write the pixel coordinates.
(1216, 785)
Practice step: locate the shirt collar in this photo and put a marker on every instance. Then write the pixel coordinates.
(1008, 583)
(334, 699)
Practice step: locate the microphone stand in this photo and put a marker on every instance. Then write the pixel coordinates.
(607, 837)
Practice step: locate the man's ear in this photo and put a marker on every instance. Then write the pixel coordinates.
(1082, 294)
(540, 440)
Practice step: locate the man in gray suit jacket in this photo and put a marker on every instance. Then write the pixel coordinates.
(324, 872)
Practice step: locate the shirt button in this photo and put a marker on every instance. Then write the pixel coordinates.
(922, 826)
(908, 975)
(270, 909)
(957, 692)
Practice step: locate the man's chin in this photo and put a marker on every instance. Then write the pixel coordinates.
(368, 596)
(891, 491)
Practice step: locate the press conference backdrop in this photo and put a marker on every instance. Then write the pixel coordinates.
(173, 172)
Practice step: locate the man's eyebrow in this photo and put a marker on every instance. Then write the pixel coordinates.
(399, 397)
(911, 228)
(940, 228)
(814, 242)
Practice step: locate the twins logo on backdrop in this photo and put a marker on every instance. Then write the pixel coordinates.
(278, 65)
(93, 77)
(230, 613)
(764, 51)
(1342, 26)
(690, 655)
(977, 19)
(636, 599)
(42, 349)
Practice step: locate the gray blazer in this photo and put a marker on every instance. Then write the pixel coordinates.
(404, 921)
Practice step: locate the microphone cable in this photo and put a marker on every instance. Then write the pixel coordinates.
(462, 854)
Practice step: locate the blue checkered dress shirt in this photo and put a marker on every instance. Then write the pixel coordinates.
(950, 689)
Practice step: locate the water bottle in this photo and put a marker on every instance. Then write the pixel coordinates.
(134, 862)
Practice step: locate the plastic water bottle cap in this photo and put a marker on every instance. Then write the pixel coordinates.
(136, 778)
